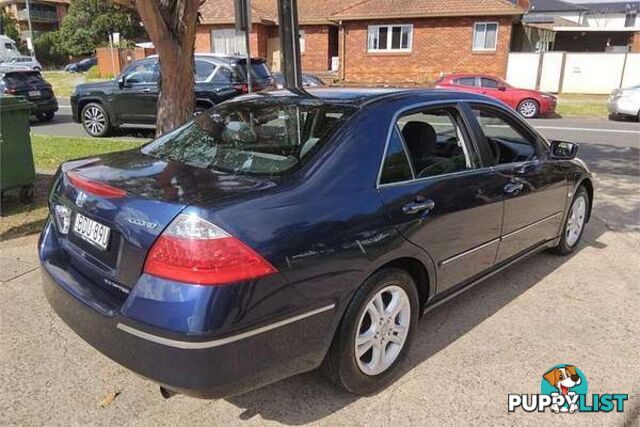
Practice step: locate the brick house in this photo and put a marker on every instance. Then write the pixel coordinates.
(418, 40)
(318, 33)
(390, 41)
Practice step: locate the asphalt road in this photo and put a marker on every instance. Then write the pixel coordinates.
(469, 354)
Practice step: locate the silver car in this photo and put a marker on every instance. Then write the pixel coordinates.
(21, 62)
(625, 102)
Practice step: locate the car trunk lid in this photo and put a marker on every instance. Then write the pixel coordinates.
(135, 196)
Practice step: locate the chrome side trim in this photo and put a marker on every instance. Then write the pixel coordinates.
(526, 227)
(188, 345)
(470, 251)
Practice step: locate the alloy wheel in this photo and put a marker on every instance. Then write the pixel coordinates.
(528, 109)
(575, 223)
(382, 330)
(95, 120)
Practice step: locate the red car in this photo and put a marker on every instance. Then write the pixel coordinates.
(529, 103)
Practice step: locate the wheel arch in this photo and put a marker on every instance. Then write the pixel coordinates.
(588, 185)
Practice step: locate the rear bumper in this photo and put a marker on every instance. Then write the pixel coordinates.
(44, 106)
(209, 366)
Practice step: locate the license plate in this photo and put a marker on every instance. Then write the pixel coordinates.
(91, 231)
(34, 93)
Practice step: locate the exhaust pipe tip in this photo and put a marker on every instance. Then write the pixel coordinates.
(166, 393)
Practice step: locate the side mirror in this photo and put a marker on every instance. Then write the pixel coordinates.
(502, 88)
(122, 82)
(562, 150)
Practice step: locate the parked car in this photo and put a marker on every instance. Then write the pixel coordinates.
(308, 80)
(131, 99)
(277, 233)
(529, 103)
(625, 103)
(31, 85)
(28, 62)
(81, 66)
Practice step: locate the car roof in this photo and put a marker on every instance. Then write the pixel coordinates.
(217, 57)
(360, 96)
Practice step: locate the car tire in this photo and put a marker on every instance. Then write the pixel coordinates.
(575, 222)
(45, 117)
(361, 374)
(529, 108)
(95, 120)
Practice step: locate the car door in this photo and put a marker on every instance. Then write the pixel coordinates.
(135, 100)
(439, 194)
(536, 188)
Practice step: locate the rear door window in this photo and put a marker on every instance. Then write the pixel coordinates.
(203, 70)
(262, 137)
(396, 166)
(436, 142)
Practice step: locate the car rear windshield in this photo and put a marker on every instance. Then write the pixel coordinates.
(257, 137)
(22, 78)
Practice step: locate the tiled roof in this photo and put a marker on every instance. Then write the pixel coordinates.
(309, 11)
(389, 9)
(326, 11)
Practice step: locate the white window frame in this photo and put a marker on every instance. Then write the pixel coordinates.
(484, 35)
(389, 38)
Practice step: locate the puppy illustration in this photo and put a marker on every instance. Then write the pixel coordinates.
(563, 378)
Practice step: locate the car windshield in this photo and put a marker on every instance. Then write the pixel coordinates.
(258, 137)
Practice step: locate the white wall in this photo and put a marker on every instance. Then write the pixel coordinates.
(609, 20)
(631, 70)
(551, 71)
(597, 73)
(594, 73)
(522, 69)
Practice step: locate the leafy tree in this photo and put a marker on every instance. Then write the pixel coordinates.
(9, 26)
(47, 48)
(88, 24)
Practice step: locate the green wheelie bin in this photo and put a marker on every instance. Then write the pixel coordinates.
(17, 171)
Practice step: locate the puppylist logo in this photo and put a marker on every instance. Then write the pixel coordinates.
(563, 389)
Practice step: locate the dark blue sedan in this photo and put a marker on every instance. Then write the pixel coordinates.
(277, 233)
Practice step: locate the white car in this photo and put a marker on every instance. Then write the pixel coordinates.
(27, 62)
(625, 102)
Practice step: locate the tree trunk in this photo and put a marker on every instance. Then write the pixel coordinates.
(171, 25)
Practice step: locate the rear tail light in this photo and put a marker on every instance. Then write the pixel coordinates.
(192, 250)
(9, 90)
(94, 187)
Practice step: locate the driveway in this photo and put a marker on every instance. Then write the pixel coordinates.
(469, 354)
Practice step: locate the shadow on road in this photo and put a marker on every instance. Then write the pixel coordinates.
(313, 398)
(617, 198)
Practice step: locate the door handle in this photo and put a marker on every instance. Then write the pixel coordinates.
(526, 168)
(513, 187)
(145, 90)
(418, 206)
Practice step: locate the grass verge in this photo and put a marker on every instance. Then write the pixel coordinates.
(570, 105)
(64, 83)
(48, 152)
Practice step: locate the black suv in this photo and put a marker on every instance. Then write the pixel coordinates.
(31, 85)
(131, 99)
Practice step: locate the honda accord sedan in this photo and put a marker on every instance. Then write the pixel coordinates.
(278, 233)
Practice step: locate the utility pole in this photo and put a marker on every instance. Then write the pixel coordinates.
(290, 44)
(30, 38)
